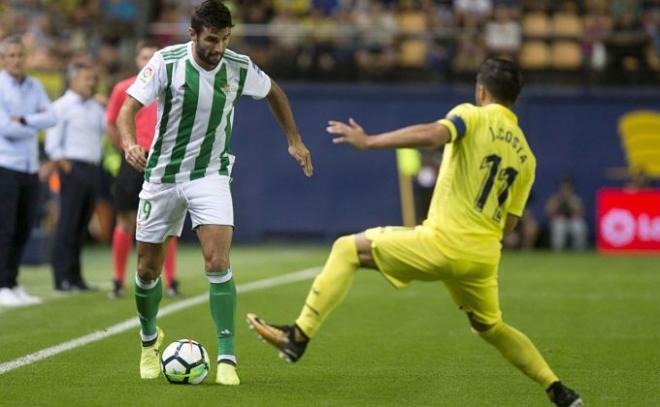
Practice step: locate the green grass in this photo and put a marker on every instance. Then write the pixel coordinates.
(594, 318)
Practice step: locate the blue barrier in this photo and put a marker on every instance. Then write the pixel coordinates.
(573, 133)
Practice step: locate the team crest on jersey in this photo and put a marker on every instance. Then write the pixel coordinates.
(147, 74)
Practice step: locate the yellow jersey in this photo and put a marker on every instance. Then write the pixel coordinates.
(487, 172)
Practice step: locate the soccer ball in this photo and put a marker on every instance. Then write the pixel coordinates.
(185, 362)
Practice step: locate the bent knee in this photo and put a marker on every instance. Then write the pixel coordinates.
(363, 246)
(481, 326)
(148, 269)
(216, 263)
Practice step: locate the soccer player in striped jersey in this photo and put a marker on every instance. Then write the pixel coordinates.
(189, 165)
(486, 175)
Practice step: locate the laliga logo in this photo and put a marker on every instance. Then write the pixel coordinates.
(619, 227)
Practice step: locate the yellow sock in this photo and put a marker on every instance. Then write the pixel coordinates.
(330, 286)
(520, 352)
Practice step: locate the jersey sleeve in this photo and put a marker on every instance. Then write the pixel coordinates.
(522, 190)
(257, 83)
(114, 104)
(150, 82)
(459, 120)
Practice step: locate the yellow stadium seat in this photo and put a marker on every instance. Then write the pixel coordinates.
(567, 25)
(640, 137)
(412, 53)
(566, 55)
(412, 23)
(536, 25)
(534, 55)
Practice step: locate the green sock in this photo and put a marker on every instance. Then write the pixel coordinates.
(222, 301)
(147, 299)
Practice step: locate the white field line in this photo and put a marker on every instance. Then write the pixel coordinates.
(133, 322)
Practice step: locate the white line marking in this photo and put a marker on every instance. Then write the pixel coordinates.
(133, 322)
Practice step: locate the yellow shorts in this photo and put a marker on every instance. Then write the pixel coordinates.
(404, 255)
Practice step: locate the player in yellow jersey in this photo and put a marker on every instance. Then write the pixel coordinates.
(485, 179)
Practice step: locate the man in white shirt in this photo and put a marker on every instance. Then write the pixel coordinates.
(24, 110)
(189, 168)
(74, 148)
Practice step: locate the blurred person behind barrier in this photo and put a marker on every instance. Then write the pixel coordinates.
(566, 217)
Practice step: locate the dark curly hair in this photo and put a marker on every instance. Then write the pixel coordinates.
(212, 14)
(502, 79)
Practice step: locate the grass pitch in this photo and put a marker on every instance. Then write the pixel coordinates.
(594, 318)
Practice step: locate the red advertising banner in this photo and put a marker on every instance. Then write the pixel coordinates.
(628, 221)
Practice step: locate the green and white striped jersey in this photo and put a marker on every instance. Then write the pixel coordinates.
(195, 111)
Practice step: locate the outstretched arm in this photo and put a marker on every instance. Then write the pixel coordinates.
(431, 135)
(279, 105)
(134, 153)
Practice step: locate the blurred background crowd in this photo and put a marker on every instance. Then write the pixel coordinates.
(586, 41)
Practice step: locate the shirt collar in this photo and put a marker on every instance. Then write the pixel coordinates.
(5, 77)
(505, 111)
(75, 97)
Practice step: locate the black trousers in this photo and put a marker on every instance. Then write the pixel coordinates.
(19, 196)
(77, 197)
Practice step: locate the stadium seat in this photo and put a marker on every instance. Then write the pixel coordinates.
(566, 55)
(536, 25)
(413, 47)
(411, 23)
(640, 137)
(412, 53)
(567, 25)
(534, 55)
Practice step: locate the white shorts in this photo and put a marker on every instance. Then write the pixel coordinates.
(163, 207)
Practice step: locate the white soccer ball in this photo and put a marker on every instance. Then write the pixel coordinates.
(185, 362)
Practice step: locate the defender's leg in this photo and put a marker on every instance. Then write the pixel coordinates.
(328, 290)
(521, 352)
(400, 254)
(474, 288)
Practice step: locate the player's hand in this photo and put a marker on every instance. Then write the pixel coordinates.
(351, 133)
(302, 155)
(136, 157)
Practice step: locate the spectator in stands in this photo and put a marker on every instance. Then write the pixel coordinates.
(468, 12)
(286, 36)
(503, 34)
(627, 45)
(24, 110)
(378, 29)
(327, 7)
(597, 27)
(652, 28)
(565, 212)
(470, 50)
(74, 148)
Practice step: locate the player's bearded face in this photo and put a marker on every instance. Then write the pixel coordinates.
(210, 45)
